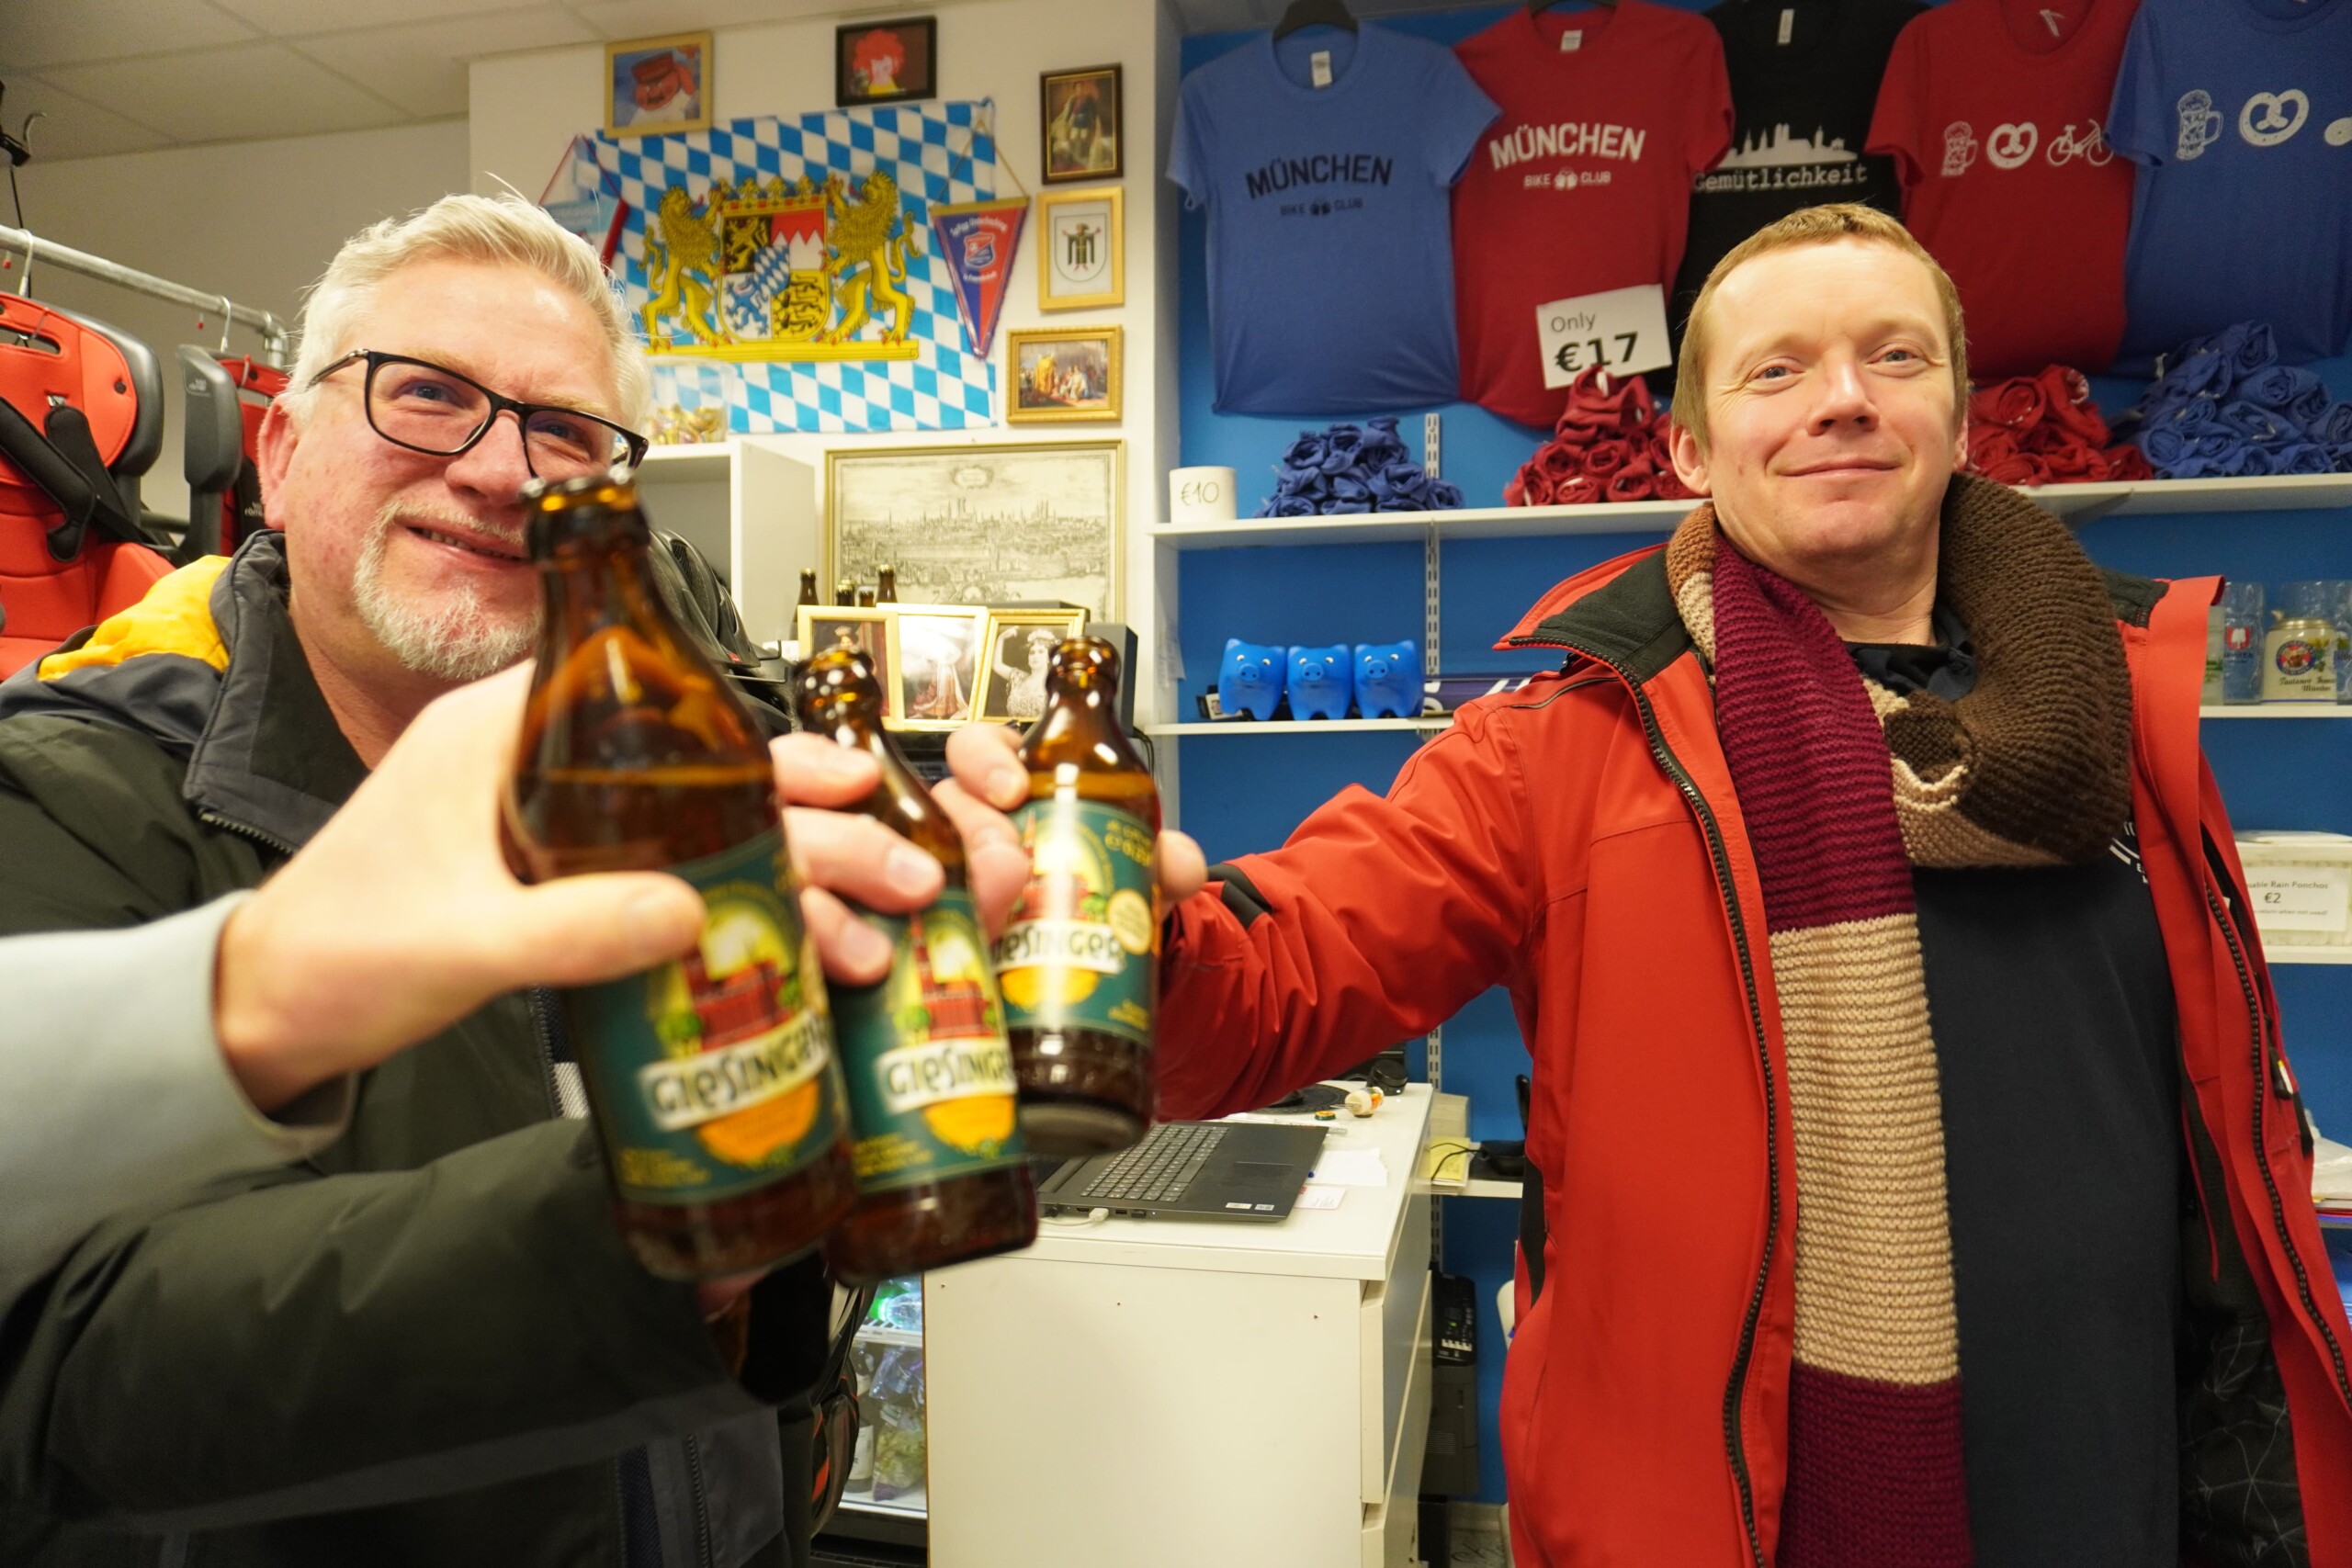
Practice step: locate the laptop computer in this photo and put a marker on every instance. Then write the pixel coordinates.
(1219, 1170)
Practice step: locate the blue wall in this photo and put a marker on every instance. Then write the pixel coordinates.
(1245, 793)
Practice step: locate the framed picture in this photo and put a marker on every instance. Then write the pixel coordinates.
(1079, 113)
(976, 524)
(656, 85)
(936, 650)
(1014, 651)
(885, 63)
(1085, 264)
(1065, 376)
(823, 626)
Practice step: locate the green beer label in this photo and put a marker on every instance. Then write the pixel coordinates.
(1079, 952)
(930, 1086)
(715, 1075)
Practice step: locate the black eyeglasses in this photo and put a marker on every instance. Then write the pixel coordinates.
(430, 408)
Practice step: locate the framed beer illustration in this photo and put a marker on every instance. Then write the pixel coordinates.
(1084, 266)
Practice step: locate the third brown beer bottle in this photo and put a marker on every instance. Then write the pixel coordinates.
(942, 1176)
(1080, 963)
(713, 1077)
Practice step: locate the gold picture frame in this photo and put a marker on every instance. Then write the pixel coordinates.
(967, 524)
(936, 648)
(662, 85)
(1081, 384)
(1082, 254)
(1014, 693)
(822, 626)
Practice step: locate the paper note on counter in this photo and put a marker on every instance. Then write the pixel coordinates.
(1314, 1195)
(1350, 1167)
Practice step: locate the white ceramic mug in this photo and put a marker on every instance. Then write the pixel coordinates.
(1200, 495)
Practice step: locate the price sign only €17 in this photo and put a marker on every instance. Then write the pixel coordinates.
(1623, 331)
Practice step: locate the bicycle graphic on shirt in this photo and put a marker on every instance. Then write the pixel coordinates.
(2090, 147)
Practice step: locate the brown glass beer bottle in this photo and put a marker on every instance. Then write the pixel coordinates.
(942, 1175)
(886, 585)
(845, 592)
(1080, 963)
(808, 585)
(713, 1078)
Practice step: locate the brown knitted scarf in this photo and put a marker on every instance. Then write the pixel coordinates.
(1844, 786)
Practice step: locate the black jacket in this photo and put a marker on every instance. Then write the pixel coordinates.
(428, 1344)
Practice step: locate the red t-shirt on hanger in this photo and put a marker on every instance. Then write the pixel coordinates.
(1996, 111)
(1584, 183)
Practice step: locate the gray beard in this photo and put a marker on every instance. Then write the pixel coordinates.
(460, 641)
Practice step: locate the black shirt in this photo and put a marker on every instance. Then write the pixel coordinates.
(1800, 113)
(2052, 1007)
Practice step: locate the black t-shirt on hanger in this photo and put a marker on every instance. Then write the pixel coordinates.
(1804, 77)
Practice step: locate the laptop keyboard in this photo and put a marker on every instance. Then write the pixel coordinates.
(1158, 1169)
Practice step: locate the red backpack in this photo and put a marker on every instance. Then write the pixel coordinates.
(81, 411)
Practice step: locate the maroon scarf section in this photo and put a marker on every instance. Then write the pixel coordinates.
(1876, 1475)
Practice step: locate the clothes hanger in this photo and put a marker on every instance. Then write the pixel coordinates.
(1315, 14)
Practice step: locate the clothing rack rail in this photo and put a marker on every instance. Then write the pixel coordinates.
(275, 340)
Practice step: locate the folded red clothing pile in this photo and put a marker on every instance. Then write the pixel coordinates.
(2045, 430)
(1610, 445)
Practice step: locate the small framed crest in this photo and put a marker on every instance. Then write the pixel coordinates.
(936, 650)
(885, 63)
(1081, 117)
(655, 86)
(1015, 649)
(1085, 262)
(822, 627)
(1065, 376)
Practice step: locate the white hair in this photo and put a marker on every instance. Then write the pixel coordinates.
(464, 228)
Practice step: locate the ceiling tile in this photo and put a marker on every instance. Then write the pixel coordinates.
(421, 66)
(651, 18)
(70, 128)
(34, 33)
(302, 18)
(229, 95)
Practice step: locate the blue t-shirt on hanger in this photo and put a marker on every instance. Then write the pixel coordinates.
(2239, 114)
(1325, 161)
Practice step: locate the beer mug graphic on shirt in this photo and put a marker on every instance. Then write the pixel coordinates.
(2201, 126)
(1960, 149)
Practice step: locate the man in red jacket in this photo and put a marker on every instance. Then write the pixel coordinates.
(1921, 1181)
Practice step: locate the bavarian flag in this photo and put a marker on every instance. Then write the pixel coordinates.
(976, 239)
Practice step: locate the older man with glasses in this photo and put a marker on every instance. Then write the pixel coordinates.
(425, 1344)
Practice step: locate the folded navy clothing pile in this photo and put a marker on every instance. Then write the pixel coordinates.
(2225, 407)
(1351, 468)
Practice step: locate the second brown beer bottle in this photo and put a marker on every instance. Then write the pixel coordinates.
(1080, 963)
(942, 1175)
(713, 1077)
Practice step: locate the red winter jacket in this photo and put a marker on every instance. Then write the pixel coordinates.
(1578, 841)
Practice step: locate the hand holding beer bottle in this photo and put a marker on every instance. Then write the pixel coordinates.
(942, 1175)
(717, 1091)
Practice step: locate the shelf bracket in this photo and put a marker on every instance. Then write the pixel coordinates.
(1429, 600)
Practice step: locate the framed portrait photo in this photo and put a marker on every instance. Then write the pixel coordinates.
(1065, 376)
(1015, 649)
(824, 626)
(657, 85)
(1010, 522)
(1085, 262)
(1080, 114)
(885, 63)
(936, 651)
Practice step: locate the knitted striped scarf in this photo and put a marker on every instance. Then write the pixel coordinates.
(1844, 786)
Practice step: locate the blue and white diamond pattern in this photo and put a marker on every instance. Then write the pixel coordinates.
(931, 151)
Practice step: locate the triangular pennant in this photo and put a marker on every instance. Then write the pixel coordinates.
(977, 239)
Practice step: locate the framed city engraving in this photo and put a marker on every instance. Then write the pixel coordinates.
(1084, 264)
(998, 524)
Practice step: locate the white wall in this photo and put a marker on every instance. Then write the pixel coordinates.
(255, 221)
(525, 108)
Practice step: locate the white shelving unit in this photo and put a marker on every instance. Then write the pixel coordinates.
(752, 511)
(2307, 955)
(2076, 503)
(2277, 710)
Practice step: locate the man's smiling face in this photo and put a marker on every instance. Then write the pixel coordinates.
(1832, 425)
(406, 564)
